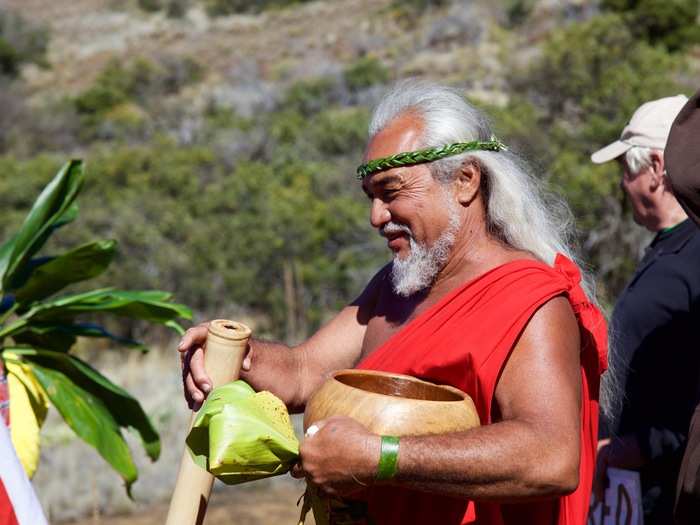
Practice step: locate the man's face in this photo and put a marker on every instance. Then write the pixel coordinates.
(416, 214)
(637, 188)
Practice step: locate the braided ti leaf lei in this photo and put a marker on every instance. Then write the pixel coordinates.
(420, 156)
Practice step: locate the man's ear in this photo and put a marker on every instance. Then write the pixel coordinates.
(658, 171)
(467, 182)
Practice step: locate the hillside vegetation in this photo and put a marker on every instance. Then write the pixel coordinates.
(221, 148)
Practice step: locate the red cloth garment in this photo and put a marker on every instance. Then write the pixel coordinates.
(464, 340)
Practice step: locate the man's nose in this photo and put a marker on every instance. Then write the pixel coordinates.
(379, 213)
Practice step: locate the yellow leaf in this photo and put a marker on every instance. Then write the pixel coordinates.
(28, 407)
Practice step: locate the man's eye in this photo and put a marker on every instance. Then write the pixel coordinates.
(390, 194)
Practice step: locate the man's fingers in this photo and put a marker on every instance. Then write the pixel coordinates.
(194, 394)
(297, 471)
(195, 380)
(193, 336)
(199, 374)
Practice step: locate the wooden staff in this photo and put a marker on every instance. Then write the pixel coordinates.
(225, 347)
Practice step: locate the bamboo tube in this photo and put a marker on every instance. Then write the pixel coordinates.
(225, 347)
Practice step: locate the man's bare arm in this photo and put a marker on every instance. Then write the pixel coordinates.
(530, 451)
(534, 449)
(291, 373)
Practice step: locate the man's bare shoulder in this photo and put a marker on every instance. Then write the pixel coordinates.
(366, 302)
(554, 321)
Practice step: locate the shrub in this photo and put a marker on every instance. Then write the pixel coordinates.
(177, 8)
(140, 82)
(232, 7)
(365, 72)
(20, 42)
(311, 96)
(9, 59)
(151, 5)
(340, 131)
(673, 23)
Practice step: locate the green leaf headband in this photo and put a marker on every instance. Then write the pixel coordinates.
(408, 158)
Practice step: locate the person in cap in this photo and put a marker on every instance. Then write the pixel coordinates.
(481, 294)
(655, 319)
(683, 167)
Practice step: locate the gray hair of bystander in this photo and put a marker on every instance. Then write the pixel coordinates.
(638, 158)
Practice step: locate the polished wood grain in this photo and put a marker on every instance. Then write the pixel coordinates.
(392, 404)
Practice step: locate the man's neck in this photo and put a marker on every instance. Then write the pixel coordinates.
(670, 216)
(474, 253)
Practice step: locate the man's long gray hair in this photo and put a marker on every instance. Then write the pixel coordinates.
(519, 212)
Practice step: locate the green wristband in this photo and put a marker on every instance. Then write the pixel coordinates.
(388, 457)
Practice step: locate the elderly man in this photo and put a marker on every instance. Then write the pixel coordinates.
(655, 320)
(480, 295)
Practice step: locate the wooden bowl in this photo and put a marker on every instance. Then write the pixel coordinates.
(392, 404)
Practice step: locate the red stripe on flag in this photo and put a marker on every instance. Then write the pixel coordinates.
(7, 512)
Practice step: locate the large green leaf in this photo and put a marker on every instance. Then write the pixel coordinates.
(58, 341)
(5, 253)
(89, 416)
(55, 336)
(68, 216)
(150, 305)
(85, 262)
(110, 403)
(53, 207)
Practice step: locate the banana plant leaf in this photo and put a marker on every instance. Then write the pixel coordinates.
(55, 336)
(85, 262)
(5, 253)
(68, 216)
(149, 305)
(84, 330)
(53, 207)
(240, 435)
(56, 341)
(93, 406)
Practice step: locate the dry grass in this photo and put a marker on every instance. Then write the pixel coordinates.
(86, 34)
(273, 504)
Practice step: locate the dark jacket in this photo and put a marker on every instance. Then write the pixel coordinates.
(656, 348)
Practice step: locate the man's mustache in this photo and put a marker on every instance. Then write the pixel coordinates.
(394, 227)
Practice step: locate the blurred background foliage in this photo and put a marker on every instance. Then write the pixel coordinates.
(234, 188)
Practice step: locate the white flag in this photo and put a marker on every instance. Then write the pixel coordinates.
(18, 502)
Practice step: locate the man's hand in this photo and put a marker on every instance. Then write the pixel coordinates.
(196, 381)
(341, 458)
(619, 452)
(601, 469)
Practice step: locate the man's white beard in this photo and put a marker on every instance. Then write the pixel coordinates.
(418, 270)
